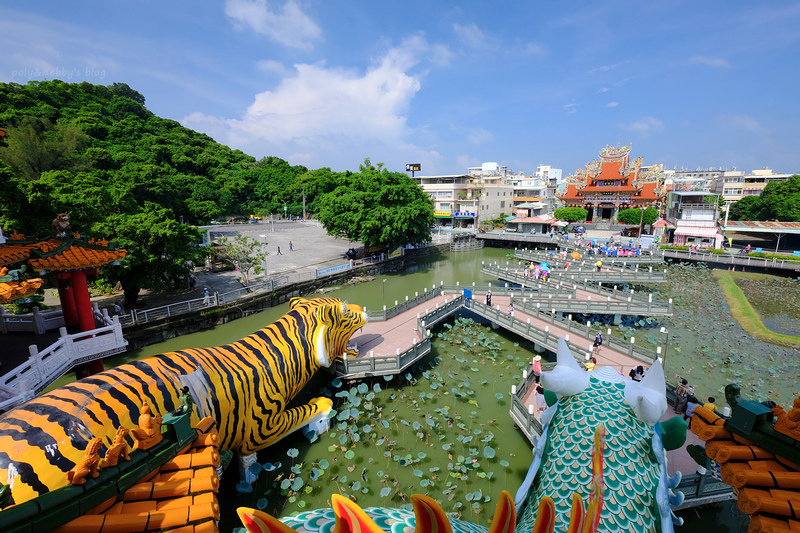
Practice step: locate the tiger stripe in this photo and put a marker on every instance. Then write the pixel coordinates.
(246, 385)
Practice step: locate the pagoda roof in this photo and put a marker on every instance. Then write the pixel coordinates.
(56, 254)
(14, 290)
(73, 254)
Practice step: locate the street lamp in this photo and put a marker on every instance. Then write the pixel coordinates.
(285, 208)
(383, 286)
(263, 242)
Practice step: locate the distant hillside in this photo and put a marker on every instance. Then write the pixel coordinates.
(94, 134)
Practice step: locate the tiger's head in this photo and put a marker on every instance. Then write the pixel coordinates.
(336, 321)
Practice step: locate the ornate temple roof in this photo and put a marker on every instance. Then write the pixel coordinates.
(615, 173)
(73, 254)
(59, 255)
(14, 290)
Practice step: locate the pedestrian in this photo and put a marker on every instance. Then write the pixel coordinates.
(511, 309)
(566, 265)
(206, 296)
(690, 406)
(279, 251)
(710, 405)
(681, 395)
(117, 308)
(541, 403)
(489, 298)
(290, 247)
(598, 341)
(192, 281)
(590, 364)
(599, 265)
(536, 368)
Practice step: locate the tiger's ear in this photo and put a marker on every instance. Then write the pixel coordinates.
(429, 515)
(294, 302)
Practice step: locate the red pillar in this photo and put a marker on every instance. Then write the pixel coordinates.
(67, 297)
(83, 305)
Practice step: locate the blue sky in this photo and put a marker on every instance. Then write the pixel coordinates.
(448, 85)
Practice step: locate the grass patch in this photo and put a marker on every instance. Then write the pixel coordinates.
(743, 312)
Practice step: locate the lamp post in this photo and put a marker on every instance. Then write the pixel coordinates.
(383, 286)
(666, 345)
(641, 223)
(263, 242)
(285, 209)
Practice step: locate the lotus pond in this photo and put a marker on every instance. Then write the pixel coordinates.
(441, 429)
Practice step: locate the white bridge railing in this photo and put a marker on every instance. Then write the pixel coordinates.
(42, 368)
(37, 322)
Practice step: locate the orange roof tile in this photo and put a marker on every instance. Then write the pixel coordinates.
(14, 290)
(76, 258)
(768, 484)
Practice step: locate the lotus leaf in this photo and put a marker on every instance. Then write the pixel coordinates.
(292, 452)
(349, 454)
(385, 491)
(244, 487)
(297, 484)
(261, 503)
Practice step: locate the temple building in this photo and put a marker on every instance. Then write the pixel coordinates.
(69, 258)
(613, 182)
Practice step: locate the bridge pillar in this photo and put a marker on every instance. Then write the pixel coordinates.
(617, 319)
(538, 348)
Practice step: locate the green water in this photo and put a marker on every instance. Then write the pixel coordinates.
(440, 429)
(399, 400)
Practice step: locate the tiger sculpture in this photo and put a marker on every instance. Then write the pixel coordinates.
(245, 386)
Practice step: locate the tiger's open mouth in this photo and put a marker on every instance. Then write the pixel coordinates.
(343, 345)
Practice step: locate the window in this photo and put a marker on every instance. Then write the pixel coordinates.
(502, 203)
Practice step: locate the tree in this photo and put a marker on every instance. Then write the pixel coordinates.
(742, 209)
(247, 254)
(571, 214)
(378, 208)
(637, 216)
(36, 146)
(161, 251)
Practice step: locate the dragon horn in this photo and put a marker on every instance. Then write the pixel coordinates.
(545, 516)
(256, 521)
(505, 515)
(429, 515)
(350, 518)
(577, 517)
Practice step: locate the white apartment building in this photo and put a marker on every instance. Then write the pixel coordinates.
(467, 200)
(749, 184)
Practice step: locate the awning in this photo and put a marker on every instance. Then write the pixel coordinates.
(696, 231)
(561, 223)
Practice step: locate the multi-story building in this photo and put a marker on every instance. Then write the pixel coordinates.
(694, 215)
(467, 200)
(614, 182)
(737, 187)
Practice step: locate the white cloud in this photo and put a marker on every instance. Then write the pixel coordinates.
(287, 25)
(603, 90)
(644, 125)
(612, 104)
(470, 34)
(570, 108)
(318, 111)
(604, 68)
(716, 62)
(273, 67)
